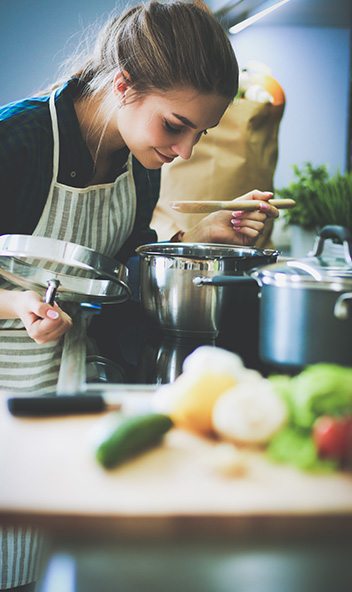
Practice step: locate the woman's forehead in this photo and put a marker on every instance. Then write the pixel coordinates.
(189, 106)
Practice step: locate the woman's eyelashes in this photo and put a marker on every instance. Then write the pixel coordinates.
(171, 128)
(176, 130)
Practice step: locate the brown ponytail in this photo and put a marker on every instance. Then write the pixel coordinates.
(162, 45)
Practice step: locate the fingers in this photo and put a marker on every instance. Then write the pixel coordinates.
(223, 227)
(50, 328)
(269, 210)
(256, 194)
(44, 323)
(251, 225)
(262, 196)
(239, 227)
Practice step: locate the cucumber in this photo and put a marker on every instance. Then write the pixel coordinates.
(131, 436)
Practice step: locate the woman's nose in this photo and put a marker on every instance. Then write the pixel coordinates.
(183, 148)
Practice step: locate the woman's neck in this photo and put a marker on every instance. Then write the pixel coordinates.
(98, 128)
(101, 135)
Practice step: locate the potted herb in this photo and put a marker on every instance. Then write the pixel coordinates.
(321, 200)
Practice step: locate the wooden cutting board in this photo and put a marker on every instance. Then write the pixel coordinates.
(49, 471)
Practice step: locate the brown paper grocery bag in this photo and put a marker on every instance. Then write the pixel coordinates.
(239, 155)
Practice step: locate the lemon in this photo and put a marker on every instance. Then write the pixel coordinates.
(193, 407)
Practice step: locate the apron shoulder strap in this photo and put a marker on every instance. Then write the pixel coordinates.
(56, 140)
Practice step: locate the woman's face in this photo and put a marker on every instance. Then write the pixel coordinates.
(159, 127)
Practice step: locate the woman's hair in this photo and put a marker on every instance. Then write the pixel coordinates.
(161, 45)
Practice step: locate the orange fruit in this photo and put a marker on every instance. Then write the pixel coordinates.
(271, 86)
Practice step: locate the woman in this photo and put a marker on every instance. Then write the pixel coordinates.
(82, 162)
(160, 76)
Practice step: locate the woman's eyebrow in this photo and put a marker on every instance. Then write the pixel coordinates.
(188, 122)
(185, 121)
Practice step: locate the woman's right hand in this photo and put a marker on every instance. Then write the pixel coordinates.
(44, 323)
(234, 228)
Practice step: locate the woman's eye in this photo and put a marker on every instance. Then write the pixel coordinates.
(170, 128)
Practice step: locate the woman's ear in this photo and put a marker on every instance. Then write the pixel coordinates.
(122, 82)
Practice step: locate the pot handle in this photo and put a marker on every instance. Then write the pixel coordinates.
(341, 309)
(222, 280)
(342, 234)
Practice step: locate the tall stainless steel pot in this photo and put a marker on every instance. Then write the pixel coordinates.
(173, 301)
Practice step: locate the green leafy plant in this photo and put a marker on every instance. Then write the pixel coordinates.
(321, 200)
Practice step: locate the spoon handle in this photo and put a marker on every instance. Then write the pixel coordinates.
(206, 207)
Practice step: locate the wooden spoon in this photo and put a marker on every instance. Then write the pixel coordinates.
(206, 207)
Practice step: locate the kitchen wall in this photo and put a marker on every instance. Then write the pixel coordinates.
(312, 65)
(35, 37)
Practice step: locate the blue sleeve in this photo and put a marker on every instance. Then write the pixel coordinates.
(25, 174)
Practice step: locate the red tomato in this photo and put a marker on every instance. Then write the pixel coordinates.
(333, 437)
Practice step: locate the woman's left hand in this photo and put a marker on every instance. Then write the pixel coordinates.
(239, 227)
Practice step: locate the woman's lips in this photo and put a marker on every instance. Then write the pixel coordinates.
(163, 157)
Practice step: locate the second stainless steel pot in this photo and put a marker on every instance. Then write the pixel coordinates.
(305, 322)
(306, 306)
(305, 312)
(171, 299)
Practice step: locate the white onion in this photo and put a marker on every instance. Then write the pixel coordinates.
(249, 413)
(213, 360)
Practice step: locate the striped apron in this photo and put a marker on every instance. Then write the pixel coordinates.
(100, 217)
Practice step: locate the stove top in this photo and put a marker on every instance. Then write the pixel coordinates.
(144, 354)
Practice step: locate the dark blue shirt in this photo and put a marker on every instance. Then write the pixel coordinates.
(26, 160)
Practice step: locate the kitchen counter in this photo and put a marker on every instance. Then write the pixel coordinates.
(165, 520)
(50, 475)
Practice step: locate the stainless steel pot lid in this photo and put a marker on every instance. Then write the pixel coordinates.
(202, 251)
(84, 275)
(303, 273)
(318, 270)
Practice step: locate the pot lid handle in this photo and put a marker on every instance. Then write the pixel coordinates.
(341, 309)
(340, 233)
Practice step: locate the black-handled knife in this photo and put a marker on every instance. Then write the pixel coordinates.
(44, 406)
(94, 400)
